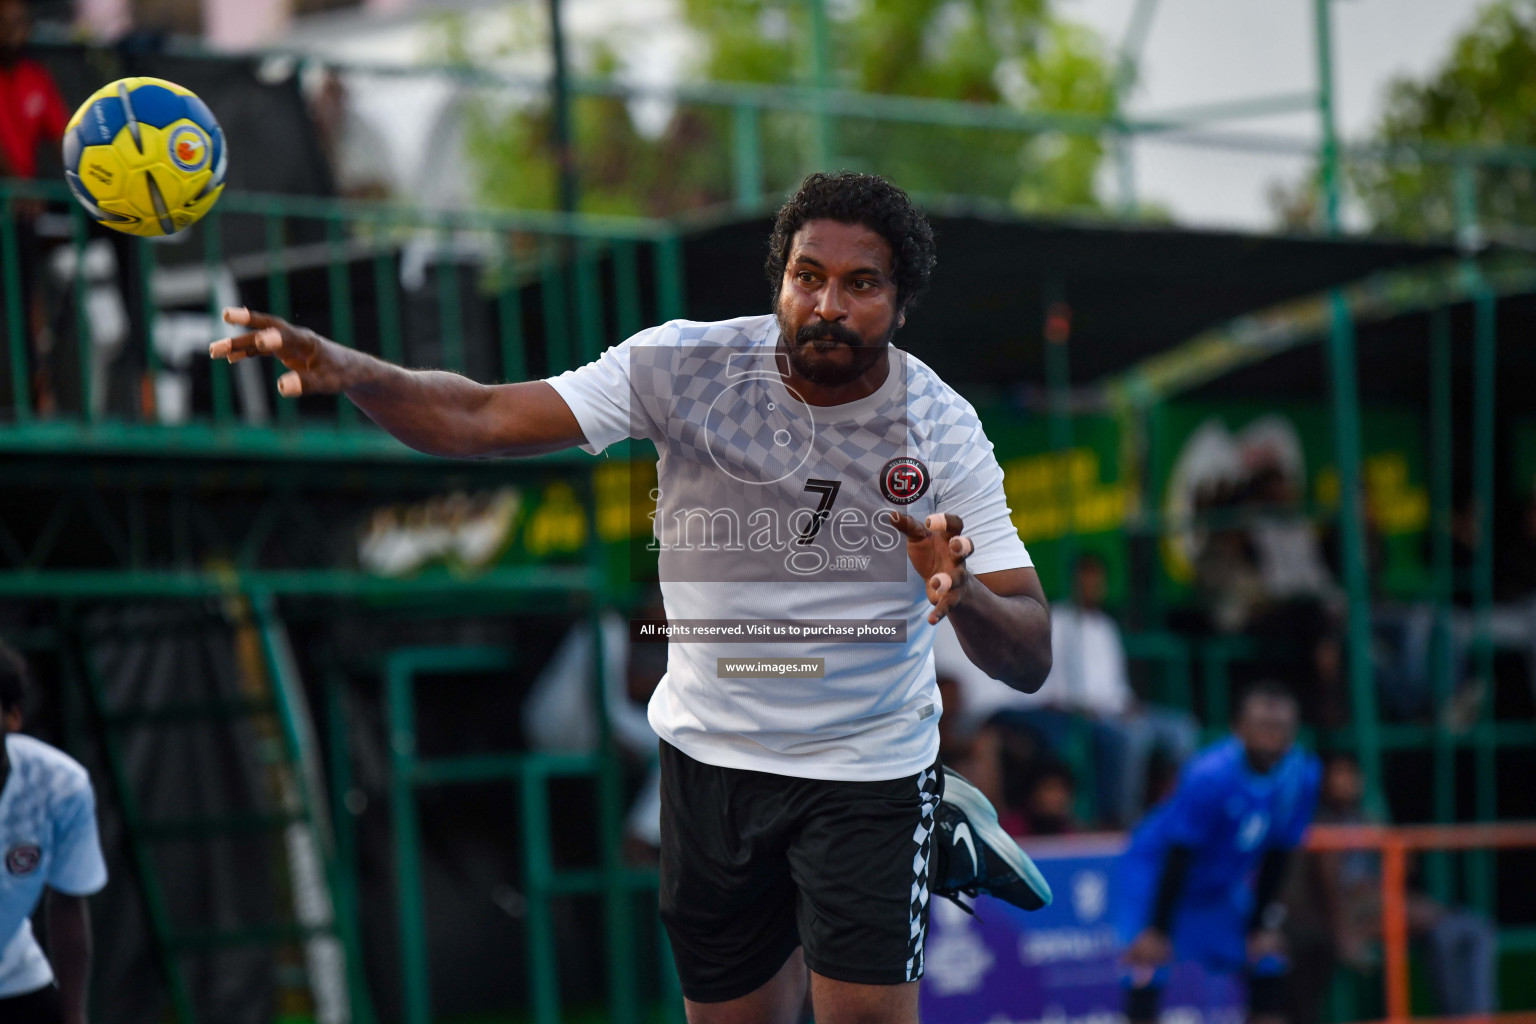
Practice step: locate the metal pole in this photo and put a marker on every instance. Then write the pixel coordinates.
(84, 346)
(1125, 74)
(450, 312)
(279, 301)
(1346, 442)
(345, 827)
(339, 283)
(15, 316)
(1328, 158)
(1484, 389)
(416, 993)
(1479, 864)
(821, 80)
(746, 155)
(1438, 864)
(213, 259)
(565, 153)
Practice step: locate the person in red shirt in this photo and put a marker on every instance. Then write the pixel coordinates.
(31, 110)
(31, 113)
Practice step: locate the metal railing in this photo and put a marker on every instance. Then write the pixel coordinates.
(498, 295)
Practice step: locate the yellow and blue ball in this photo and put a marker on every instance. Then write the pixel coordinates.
(145, 156)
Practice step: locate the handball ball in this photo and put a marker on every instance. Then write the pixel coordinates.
(145, 156)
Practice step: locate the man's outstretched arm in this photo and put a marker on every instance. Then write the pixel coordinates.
(432, 411)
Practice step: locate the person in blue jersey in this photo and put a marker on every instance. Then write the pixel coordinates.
(1202, 874)
(48, 842)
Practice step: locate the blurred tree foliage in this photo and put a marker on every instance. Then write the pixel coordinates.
(1012, 52)
(1484, 93)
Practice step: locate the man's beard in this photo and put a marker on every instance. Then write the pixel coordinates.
(826, 336)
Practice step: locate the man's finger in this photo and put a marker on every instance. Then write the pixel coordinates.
(939, 584)
(961, 547)
(908, 526)
(243, 317)
(269, 340)
(225, 347)
(945, 522)
(293, 384)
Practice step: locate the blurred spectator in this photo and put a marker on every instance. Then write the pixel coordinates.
(1089, 687)
(560, 713)
(31, 113)
(1462, 945)
(356, 152)
(1049, 805)
(1089, 681)
(1262, 571)
(1201, 877)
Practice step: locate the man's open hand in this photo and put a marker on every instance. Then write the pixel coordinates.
(938, 552)
(315, 366)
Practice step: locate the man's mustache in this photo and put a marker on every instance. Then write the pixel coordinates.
(827, 330)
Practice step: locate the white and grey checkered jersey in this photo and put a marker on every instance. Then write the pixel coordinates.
(47, 838)
(771, 509)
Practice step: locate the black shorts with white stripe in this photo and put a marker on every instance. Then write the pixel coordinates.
(755, 864)
(42, 1006)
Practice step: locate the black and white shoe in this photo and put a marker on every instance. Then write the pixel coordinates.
(976, 856)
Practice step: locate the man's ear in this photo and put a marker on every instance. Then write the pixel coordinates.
(13, 720)
(901, 317)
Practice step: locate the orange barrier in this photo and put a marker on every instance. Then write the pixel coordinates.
(1394, 844)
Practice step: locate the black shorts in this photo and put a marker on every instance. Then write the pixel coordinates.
(754, 865)
(40, 1007)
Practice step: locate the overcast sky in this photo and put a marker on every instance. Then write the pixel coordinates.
(1198, 52)
(1202, 51)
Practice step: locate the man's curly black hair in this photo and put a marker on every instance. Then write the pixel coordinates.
(866, 199)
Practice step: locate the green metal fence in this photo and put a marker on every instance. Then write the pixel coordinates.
(511, 294)
(590, 279)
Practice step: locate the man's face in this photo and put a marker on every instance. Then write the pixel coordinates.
(1091, 584)
(837, 302)
(14, 29)
(1342, 785)
(1267, 728)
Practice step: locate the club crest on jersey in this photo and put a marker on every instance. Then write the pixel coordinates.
(23, 858)
(904, 480)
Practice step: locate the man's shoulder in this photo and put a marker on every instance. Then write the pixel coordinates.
(41, 765)
(945, 424)
(739, 330)
(1216, 766)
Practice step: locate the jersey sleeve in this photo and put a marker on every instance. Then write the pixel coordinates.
(972, 488)
(1194, 810)
(623, 392)
(78, 868)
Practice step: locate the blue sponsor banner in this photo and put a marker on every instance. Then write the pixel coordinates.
(1059, 965)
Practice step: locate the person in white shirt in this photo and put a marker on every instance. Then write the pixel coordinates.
(560, 713)
(1089, 678)
(824, 501)
(48, 843)
(1088, 684)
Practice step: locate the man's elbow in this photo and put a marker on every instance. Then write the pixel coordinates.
(1033, 671)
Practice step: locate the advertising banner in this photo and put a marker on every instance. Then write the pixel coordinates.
(1059, 965)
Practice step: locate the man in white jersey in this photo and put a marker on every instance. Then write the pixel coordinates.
(48, 841)
(825, 499)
